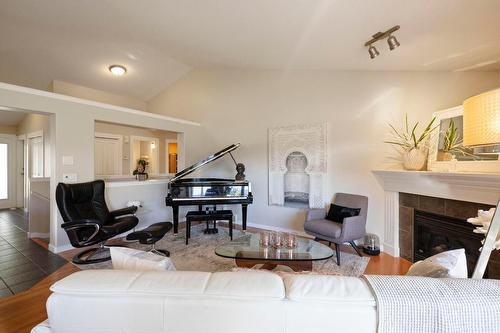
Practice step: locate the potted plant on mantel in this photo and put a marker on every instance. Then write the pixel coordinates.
(414, 146)
(140, 171)
(452, 145)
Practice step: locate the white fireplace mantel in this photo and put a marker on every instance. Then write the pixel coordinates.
(464, 186)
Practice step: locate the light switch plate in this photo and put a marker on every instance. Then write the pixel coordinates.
(70, 177)
(67, 160)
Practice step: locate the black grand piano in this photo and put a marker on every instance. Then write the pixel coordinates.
(208, 191)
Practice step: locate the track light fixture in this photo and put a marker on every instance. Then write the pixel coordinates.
(373, 51)
(391, 41)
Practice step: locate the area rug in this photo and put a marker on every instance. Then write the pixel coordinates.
(199, 255)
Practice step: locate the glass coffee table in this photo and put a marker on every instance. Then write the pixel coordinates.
(247, 252)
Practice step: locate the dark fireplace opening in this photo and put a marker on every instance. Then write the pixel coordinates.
(434, 233)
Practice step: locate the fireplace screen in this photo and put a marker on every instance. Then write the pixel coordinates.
(437, 233)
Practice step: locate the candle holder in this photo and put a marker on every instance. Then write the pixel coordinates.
(265, 239)
(290, 241)
(277, 240)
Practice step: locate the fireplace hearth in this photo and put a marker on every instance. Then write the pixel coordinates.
(434, 233)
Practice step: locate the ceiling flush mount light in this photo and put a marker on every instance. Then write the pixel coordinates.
(117, 70)
(391, 40)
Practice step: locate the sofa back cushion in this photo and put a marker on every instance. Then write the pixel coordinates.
(327, 288)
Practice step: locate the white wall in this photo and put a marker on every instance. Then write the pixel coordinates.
(71, 89)
(240, 105)
(72, 129)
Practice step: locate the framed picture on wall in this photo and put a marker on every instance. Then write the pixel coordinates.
(446, 150)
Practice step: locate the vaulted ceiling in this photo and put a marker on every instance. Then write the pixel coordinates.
(161, 40)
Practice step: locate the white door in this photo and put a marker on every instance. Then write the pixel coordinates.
(108, 156)
(7, 171)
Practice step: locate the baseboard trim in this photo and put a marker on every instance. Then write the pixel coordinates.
(38, 235)
(390, 250)
(59, 249)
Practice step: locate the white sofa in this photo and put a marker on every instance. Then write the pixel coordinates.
(110, 301)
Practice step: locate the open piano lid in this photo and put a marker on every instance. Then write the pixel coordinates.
(209, 159)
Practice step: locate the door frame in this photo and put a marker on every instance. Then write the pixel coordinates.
(11, 175)
(21, 174)
(167, 141)
(32, 135)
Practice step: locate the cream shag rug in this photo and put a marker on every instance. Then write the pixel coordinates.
(199, 254)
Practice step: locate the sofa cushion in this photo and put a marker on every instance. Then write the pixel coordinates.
(327, 288)
(324, 227)
(338, 213)
(116, 282)
(449, 264)
(258, 284)
(132, 259)
(248, 284)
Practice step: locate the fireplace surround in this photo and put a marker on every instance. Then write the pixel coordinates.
(430, 225)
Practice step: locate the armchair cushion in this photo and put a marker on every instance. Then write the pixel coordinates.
(120, 225)
(315, 214)
(323, 227)
(338, 213)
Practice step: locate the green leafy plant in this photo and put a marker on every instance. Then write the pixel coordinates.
(141, 167)
(408, 138)
(452, 143)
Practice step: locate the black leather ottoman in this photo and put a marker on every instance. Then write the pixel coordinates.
(151, 235)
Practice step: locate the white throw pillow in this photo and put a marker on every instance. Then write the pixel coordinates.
(131, 259)
(449, 264)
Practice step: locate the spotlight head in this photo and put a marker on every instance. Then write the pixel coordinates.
(373, 52)
(393, 42)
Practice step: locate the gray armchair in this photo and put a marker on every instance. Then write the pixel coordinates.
(350, 229)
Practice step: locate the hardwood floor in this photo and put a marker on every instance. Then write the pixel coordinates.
(19, 313)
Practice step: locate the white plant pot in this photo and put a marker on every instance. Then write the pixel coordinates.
(414, 159)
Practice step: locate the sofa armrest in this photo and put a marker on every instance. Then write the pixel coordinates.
(353, 228)
(315, 214)
(124, 211)
(43, 327)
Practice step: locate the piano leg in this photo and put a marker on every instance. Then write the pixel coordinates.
(244, 216)
(175, 215)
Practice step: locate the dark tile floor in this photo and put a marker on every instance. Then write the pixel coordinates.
(22, 261)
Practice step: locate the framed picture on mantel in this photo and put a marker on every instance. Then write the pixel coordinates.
(446, 152)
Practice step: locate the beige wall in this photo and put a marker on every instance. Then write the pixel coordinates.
(240, 106)
(4, 129)
(137, 131)
(34, 123)
(71, 89)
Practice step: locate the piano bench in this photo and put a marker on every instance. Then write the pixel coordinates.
(208, 216)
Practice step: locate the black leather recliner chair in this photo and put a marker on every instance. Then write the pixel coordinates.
(88, 220)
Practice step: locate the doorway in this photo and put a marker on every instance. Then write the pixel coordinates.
(172, 157)
(7, 170)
